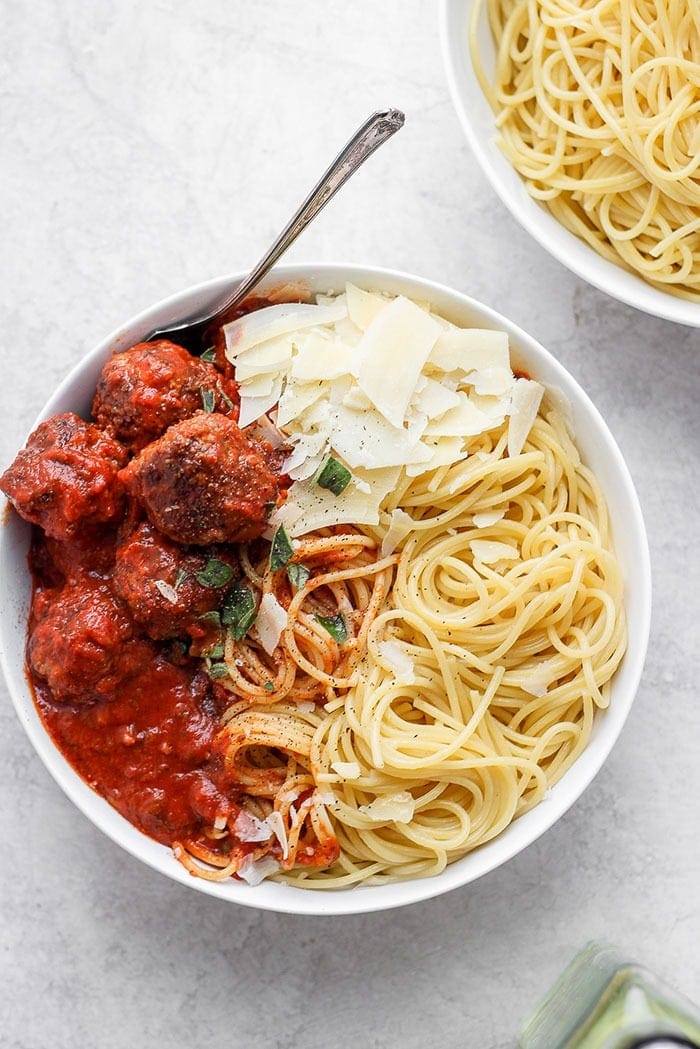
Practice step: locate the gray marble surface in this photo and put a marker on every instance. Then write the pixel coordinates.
(149, 145)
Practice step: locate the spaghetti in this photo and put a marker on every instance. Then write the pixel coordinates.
(463, 691)
(598, 108)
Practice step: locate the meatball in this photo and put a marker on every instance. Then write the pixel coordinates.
(82, 641)
(205, 482)
(158, 581)
(66, 477)
(144, 390)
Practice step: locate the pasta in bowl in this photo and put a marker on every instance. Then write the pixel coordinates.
(584, 119)
(417, 642)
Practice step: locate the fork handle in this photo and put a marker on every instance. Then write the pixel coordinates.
(375, 131)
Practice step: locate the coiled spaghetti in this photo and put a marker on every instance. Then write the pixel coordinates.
(597, 106)
(474, 664)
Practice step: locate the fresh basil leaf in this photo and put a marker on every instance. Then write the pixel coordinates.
(180, 578)
(225, 397)
(214, 574)
(216, 651)
(298, 575)
(218, 670)
(334, 476)
(281, 550)
(269, 686)
(238, 610)
(336, 627)
(210, 618)
(209, 355)
(208, 399)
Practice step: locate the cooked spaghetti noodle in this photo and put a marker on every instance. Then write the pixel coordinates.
(598, 108)
(463, 691)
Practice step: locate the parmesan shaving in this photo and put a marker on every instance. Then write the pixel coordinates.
(488, 518)
(346, 769)
(401, 664)
(525, 404)
(489, 552)
(401, 525)
(270, 622)
(392, 808)
(255, 871)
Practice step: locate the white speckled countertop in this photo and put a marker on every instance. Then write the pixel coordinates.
(151, 145)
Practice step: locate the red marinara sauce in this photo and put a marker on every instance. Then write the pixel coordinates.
(120, 612)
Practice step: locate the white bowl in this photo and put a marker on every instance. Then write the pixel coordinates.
(599, 450)
(477, 119)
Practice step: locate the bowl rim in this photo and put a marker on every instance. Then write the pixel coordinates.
(568, 249)
(358, 899)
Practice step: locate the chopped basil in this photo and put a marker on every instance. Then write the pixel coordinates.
(333, 476)
(269, 686)
(208, 399)
(336, 627)
(225, 397)
(269, 507)
(214, 574)
(180, 578)
(238, 610)
(217, 670)
(209, 355)
(216, 651)
(210, 618)
(281, 550)
(298, 575)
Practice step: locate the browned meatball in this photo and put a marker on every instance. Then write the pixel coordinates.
(144, 390)
(205, 482)
(167, 587)
(66, 476)
(82, 641)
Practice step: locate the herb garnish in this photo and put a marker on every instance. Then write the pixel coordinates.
(209, 355)
(217, 670)
(269, 686)
(334, 476)
(224, 396)
(208, 399)
(336, 627)
(214, 574)
(298, 575)
(238, 610)
(281, 550)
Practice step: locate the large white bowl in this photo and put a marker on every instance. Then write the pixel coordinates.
(477, 119)
(599, 450)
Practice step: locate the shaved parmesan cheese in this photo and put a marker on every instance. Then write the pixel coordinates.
(363, 306)
(251, 408)
(255, 871)
(297, 397)
(392, 354)
(401, 524)
(307, 706)
(248, 827)
(470, 349)
(325, 797)
(399, 662)
(525, 404)
(392, 808)
(270, 622)
(272, 356)
(490, 551)
(488, 518)
(346, 769)
(366, 439)
(492, 380)
(537, 680)
(463, 421)
(281, 319)
(434, 399)
(276, 825)
(320, 355)
(320, 508)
